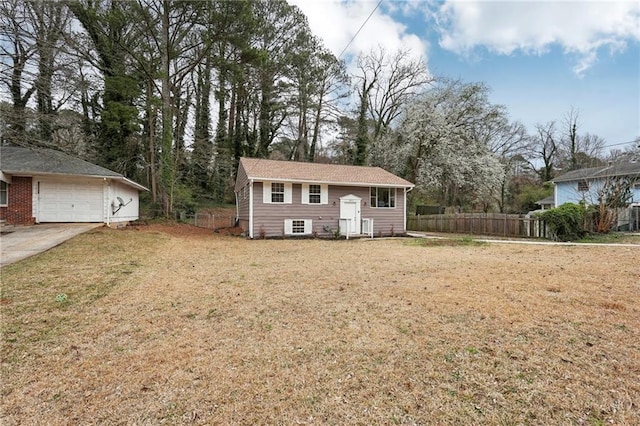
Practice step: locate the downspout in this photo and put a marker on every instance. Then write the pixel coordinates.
(251, 208)
(406, 191)
(237, 207)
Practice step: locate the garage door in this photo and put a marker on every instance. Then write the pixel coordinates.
(70, 200)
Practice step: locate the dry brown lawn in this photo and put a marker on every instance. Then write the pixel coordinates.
(174, 325)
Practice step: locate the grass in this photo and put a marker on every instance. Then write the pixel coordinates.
(611, 238)
(445, 242)
(186, 328)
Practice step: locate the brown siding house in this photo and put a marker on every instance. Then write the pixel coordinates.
(287, 198)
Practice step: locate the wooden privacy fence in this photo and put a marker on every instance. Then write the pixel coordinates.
(507, 225)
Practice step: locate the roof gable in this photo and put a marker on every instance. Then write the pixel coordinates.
(294, 171)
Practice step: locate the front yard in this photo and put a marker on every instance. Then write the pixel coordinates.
(178, 325)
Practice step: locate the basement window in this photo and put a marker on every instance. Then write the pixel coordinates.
(297, 226)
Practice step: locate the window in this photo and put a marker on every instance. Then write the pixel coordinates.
(383, 197)
(297, 226)
(583, 185)
(4, 193)
(277, 192)
(314, 194)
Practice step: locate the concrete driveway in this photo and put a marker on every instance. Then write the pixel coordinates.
(20, 242)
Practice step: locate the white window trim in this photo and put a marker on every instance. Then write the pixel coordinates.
(266, 192)
(324, 194)
(6, 190)
(288, 227)
(395, 197)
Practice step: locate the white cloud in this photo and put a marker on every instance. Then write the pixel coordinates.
(579, 27)
(337, 22)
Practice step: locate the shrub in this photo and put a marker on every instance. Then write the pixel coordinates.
(566, 222)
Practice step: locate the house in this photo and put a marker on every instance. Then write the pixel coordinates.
(40, 185)
(287, 198)
(587, 185)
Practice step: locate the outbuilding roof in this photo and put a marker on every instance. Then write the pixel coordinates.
(546, 200)
(337, 174)
(44, 161)
(618, 169)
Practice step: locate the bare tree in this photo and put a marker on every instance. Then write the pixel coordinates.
(575, 150)
(49, 20)
(545, 149)
(630, 153)
(17, 74)
(385, 83)
(614, 194)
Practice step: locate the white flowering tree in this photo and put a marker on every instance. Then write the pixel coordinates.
(444, 144)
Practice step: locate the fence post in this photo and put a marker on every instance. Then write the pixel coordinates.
(504, 226)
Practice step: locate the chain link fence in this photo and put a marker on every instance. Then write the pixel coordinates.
(208, 220)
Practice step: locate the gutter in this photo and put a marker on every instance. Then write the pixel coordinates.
(332, 183)
(237, 206)
(121, 178)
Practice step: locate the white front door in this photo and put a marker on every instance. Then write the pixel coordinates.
(350, 215)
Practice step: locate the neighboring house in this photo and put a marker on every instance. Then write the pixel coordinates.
(585, 185)
(546, 203)
(42, 185)
(287, 198)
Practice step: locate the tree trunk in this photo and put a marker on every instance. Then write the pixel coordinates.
(151, 144)
(167, 167)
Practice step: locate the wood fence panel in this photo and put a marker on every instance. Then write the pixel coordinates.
(507, 225)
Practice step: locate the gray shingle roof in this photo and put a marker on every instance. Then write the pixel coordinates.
(294, 171)
(547, 200)
(32, 161)
(623, 169)
(15, 160)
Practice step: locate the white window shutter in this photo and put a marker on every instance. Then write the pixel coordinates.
(266, 192)
(308, 226)
(288, 193)
(288, 226)
(324, 194)
(305, 193)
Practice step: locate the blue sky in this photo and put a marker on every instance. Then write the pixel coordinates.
(539, 58)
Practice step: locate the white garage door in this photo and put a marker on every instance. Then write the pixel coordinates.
(70, 200)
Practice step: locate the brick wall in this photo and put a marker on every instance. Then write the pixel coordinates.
(18, 210)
